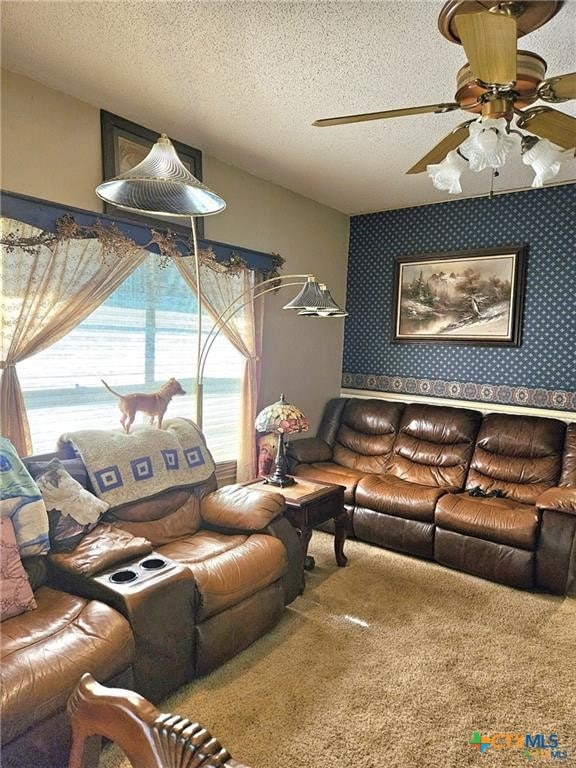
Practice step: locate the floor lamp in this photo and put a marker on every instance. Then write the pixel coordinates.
(162, 186)
(313, 299)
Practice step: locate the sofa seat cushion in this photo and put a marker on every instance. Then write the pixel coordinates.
(402, 498)
(329, 472)
(501, 520)
(46, 651)
(228, 569)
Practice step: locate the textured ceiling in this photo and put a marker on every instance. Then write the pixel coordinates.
(243, 81)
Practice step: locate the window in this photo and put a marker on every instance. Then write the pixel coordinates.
(141, 336)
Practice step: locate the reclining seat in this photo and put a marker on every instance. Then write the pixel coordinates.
(430, 457)
(242, 557)
(355, 438)
(243, 571)
(493, 533)
(44, 653)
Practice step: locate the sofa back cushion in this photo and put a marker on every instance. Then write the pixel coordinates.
(568, 476)
(518, 455)
(180, 522)
(434, 445)
(366, 434)
(331, 419)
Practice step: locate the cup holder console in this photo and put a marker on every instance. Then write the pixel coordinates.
(138, 572)
(123, 577)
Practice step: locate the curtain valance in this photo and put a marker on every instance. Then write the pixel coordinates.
(45, 215)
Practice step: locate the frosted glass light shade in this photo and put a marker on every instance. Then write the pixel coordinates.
(545, 159)
(446, 175)
(488, 145)
(161, 186)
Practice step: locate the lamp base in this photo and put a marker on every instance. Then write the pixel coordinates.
(279, 481)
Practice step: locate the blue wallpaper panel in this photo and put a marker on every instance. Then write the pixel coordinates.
(542, 371)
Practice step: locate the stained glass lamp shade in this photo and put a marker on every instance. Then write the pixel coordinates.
(283, 419)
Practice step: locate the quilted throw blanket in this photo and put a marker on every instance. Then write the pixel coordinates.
(21, 500)
(124, 468)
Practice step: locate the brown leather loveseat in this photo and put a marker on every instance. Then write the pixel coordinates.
(163, 590)
(492, 495)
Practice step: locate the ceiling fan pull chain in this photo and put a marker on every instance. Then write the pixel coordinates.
(493, 175)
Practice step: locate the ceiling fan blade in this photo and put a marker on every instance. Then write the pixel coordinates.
(365, 116)
(439, 152)
(559, 88)
(489, 40)
(550, 124)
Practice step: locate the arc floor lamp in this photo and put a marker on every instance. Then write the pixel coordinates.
(162, 186)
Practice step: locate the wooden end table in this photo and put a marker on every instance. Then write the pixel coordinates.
(311, 503)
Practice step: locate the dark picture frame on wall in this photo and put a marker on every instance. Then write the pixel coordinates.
(124, 145)
(465, 297)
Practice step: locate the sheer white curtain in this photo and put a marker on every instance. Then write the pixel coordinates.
(44, 295)
(244, 330)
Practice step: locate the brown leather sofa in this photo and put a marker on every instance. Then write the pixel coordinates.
(161, 592)
(492, 495)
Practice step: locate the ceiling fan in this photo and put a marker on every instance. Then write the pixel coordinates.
(498, 81)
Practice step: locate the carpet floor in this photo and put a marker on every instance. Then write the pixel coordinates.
(394, 662)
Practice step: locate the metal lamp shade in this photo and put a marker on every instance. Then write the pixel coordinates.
(310, 296)
(326, 306)
(161, 186)
(326, 313)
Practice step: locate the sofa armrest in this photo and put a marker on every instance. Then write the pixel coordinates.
(102, 548)
(307, 450)
(293, 580)
(558, 499)
(239, 508)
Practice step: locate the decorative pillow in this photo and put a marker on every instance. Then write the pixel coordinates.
(72, 510)
(74, 467)
(17, 595)
(20, 500)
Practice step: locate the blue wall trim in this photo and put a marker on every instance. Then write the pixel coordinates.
(43, 214)
(541, 371)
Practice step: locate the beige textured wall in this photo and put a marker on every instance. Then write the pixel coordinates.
(51, 150)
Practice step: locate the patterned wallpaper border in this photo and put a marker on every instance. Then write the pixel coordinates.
(554, 399)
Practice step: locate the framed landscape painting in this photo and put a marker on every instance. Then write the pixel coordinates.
(124, 145)
(469, 297)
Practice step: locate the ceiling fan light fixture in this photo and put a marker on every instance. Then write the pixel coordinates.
(489, 144)
(446, 175)
(544, 157)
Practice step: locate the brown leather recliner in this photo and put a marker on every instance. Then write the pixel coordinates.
(430, 457)
(355, 438)
(233, 563)
(244, 557)
(495, 535)
(44, 653)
